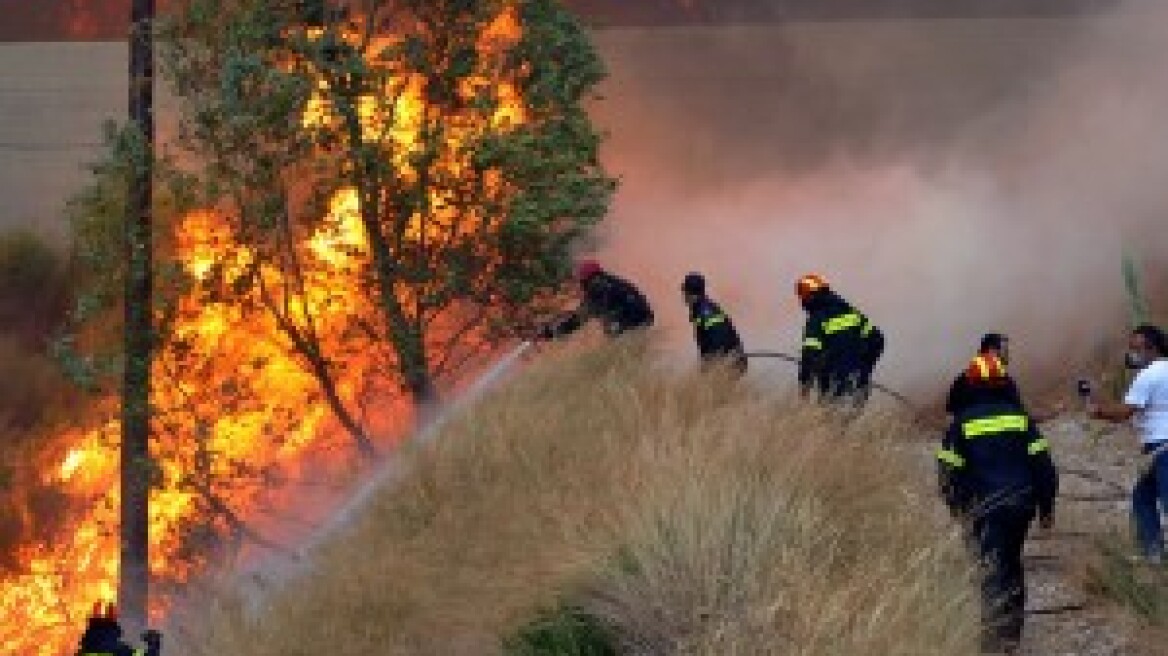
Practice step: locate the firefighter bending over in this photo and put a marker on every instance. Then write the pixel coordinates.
(103, 636)
(995, 474)
(714, 332)
(840, 345)
(612, 300)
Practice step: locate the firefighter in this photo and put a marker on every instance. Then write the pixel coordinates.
(995, 475)
(714, 332)
(962, 394)
(840, 345)
(996, 349)
(614, 301)
(103, 636)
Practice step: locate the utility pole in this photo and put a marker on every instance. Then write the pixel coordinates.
(134, 570)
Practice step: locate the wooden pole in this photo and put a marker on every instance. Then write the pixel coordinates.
(134, 572)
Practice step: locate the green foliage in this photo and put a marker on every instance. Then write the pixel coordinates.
(1137, 301)
(33, 287)
(90, 348)
(27, 265)
(565, 631)
(469, 220)
(97, 223)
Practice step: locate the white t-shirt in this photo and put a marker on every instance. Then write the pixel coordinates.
(1149, 393)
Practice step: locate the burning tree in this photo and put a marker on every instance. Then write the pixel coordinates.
(443, 143)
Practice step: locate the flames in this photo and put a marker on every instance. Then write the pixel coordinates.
(241, 426)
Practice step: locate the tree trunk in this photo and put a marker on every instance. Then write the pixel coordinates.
(328, 385)
(134, 572)
(408, 343)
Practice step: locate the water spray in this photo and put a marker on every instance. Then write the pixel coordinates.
(391, 471)
(393, 466)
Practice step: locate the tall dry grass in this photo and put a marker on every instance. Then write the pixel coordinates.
(694, 516)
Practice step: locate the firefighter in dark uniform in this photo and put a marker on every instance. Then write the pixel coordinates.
(840, 345)
(996, 474)
(714, 332)
(103, 636)
(612, 300)
(963, 394)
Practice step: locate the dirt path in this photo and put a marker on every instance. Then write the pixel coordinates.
(1095, 475)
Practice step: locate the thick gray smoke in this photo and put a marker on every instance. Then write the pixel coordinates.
(949, 176)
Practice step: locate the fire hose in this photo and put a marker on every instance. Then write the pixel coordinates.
(786, 357)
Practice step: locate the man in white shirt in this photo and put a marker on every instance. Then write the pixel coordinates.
(1146, 405)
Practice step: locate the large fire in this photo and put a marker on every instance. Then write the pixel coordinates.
(241, 425)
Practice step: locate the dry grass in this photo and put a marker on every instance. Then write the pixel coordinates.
(1137, 591)
(692, 516)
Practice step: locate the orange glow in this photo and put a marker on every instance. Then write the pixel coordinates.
(237, 412)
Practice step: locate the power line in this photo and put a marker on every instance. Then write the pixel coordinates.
(38, 147)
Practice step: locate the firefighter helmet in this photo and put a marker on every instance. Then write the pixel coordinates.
(694, 283)
(809, 285)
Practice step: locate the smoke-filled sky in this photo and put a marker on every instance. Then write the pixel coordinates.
(48, 20)
(951, 177)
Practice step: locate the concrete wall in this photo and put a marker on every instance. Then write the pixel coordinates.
(53, 100)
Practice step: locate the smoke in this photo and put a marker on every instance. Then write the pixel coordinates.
(950, 176)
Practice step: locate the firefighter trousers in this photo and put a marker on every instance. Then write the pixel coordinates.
(997, 536)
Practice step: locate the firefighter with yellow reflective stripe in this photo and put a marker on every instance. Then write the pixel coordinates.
(103, 636)
(994, 351)
(996, 474)
(714, 332)
(840, 345)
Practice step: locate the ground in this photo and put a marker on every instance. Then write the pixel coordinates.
(1095, 472)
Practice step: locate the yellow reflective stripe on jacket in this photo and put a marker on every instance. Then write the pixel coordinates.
(1038, 446)
(842, 323)
(867, 329)
(813, 343)
(710, 322)
(951, 458)
(995, 425)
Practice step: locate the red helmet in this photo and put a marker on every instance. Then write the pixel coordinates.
(810, 284)
(585, 269)
(986, 370)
